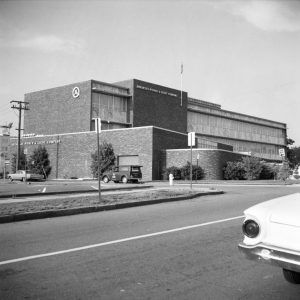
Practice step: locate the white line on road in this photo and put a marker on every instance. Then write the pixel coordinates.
(6, 262)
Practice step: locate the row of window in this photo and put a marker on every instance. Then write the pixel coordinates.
(204, 123)
(263, 150)
(109, 107)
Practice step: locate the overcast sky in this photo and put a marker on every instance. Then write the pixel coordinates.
(243, 55)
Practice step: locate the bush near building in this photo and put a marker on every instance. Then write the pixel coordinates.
(234, 170)
(252, 168)
(183, 173)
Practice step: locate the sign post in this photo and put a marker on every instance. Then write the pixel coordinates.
(25, 153)
(198, 156)
(98, 130)
(191, 143)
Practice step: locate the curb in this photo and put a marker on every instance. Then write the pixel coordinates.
(74, 192)
(91, 209)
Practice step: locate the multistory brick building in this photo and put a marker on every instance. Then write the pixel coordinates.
(146, 123)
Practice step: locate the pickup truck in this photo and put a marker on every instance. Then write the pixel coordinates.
(22, 174)
(124, 174)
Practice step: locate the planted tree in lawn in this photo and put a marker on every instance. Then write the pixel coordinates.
(22, 161)
(106, 160)
(39, 162)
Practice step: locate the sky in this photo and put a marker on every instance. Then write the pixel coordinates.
(243, 55)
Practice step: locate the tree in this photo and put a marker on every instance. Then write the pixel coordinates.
(291, 155)
(107, 159)
(39, 162)
(22, 161)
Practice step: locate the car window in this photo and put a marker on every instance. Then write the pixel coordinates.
(135, 169)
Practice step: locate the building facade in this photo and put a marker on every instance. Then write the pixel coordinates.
(146, 124)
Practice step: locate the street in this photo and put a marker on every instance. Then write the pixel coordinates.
(176, 250)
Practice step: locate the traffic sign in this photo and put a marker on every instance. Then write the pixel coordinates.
(282, 152)
(191, 139)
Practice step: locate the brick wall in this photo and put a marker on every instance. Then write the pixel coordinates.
(165, 139)
(56, 111)
(211, 160)
(70, 154)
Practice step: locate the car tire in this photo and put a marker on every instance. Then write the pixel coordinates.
(116, 181)
(124, 179)
(291, 276)
(105, 179)
(10, 179)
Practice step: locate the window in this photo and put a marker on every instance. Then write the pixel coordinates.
(110, 108)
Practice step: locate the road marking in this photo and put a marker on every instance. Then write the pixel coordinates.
(44, 190)
(6, 262)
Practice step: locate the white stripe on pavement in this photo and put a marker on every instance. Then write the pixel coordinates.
(6, 262)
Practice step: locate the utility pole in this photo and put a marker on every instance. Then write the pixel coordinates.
(19, 105)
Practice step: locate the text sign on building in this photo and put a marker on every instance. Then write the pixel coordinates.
(282, 152)
(191, 138)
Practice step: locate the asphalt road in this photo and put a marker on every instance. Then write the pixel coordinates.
(180, 250)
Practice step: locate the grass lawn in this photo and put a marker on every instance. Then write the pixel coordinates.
(67, 202)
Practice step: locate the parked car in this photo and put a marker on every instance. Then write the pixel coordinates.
(130, 173)
(21, 175)
(272, 234)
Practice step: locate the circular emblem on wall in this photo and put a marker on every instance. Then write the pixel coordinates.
(76, 92)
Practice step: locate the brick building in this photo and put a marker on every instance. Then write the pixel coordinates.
(146, 123)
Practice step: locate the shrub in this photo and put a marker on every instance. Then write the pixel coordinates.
(183, 173)
(234, 170)
(172, 170)
(268, 171)
(252, 166)
(197, 172)
(284, 171)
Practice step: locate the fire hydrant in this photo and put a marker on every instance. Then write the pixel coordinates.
(171, 178)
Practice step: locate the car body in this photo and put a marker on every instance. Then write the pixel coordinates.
(22, 174)
(272, 234)
(125, 173)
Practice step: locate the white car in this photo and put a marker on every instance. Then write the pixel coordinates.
(21, 175)
(272, 234)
